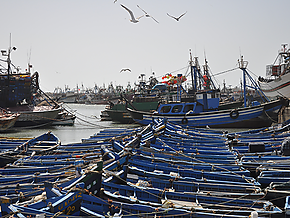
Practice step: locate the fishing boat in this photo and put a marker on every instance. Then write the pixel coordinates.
(277, 81)
(203, 110)
(119, 113)
(39, 145)
(42, 144)
(66, 96)
(142, 100)
(64, 118)
(104, 114)
(20, 93)
(35, 116)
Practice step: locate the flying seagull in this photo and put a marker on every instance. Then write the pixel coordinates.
(133, 20)
(147, 15)
(127, 69)
(177, 18)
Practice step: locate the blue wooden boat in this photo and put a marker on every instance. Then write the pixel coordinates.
(41, 144)
(173, 182)
(190, 156)
(201, 187)
(22, 170)
(34, 178)
(176, 209)
(68, 204)
(156, 195)
(194, 166)
(229, 179)
(187, 170)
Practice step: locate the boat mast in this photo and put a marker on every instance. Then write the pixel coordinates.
(207, 83)
(193, 73)
(243, 65)
(7, 54)
(192, 91)
(206, 73)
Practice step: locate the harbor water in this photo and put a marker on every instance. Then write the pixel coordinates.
(87, 123)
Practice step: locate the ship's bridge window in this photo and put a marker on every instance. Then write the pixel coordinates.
(176, 109)
(188, 107)
(165, 109)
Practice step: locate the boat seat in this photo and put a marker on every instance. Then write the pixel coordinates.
(40, 147)
(183, 203)
(45, 142)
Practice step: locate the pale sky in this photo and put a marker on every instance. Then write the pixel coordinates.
(88, 42)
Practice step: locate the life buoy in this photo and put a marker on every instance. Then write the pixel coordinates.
(184, 120)
(234, 114)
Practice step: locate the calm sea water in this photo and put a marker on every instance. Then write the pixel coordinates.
(87, 123)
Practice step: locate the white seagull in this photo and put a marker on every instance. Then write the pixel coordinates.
(177, 18)
(133, 20)
(147, 15)
(127, 69)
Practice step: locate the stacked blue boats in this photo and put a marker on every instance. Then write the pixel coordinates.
(160, 170)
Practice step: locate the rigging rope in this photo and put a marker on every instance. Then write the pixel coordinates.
(225, 71)
(194, 158)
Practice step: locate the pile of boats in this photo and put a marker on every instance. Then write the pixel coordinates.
(158, 170)
(201, 107)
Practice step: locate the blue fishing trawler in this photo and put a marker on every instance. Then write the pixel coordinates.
(202, 109)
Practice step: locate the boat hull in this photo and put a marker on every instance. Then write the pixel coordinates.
(251, 117)
(119, 113)
(64, 122)
(277, 87)
(64, 119)
(35, 116)
(68, 98)
(121, 116)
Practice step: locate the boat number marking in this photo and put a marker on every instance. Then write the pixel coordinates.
(70, 208)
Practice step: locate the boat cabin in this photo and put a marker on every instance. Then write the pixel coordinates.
(281, 65)
(189, 107)
(277, 70)
(180, 108)
(202, 102)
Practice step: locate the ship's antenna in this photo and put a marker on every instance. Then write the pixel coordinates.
(284, 45)
(8, 56)
(29, 57)
(10, 39)
(205, 60)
